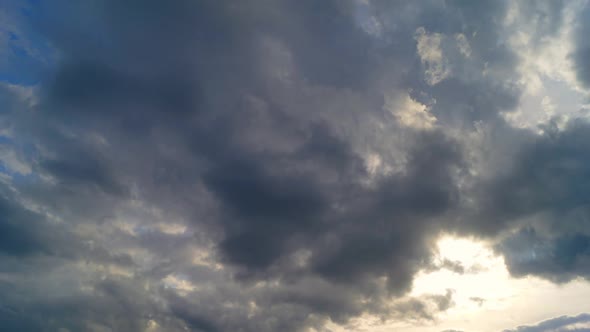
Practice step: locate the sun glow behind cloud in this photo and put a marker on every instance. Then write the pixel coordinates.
(485, 296)
(480, 265)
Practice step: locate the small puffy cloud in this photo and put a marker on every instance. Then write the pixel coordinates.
(430, 52)
(411, 113)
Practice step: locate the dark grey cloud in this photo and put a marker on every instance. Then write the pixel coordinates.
(558, 324)
(28, 234)
(477, 300)
(544, 193)
(206, 165)
(19, 230)
(559, 258)
(422, 308)
(581, 52)
(548, 174)
(111, 304)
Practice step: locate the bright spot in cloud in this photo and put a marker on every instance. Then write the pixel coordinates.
(486, 297)
(430, 52)
(181, 285)
(481, 267)
(411, 113)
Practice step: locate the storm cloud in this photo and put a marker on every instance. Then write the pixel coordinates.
(270, 165)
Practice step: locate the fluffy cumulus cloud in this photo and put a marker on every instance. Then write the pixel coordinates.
(271, 165)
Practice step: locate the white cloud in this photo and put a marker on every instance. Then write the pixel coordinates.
(13, 161)
(411, 113)
(431, 54)
(463, 45)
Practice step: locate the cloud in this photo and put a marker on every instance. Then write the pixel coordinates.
(542, 194)
(203, 165)
(432, 57)
(558, 324)
(558, 258)
(582, 49)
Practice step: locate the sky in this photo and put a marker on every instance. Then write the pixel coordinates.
(294, 165)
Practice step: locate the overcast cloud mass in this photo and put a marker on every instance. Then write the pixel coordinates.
(194, 165)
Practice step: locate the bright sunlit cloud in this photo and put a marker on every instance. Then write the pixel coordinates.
(487, 298)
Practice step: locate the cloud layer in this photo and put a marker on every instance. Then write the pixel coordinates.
(271, 165)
